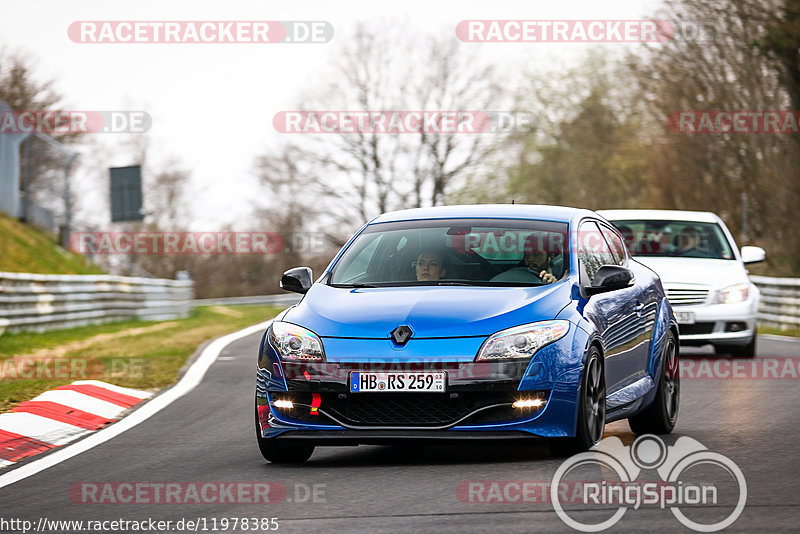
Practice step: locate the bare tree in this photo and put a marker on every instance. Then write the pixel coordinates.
(727, 71)
(351, 177)
(41, 166)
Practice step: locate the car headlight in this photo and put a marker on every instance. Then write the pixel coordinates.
(733, 294)
(295, 342)
(521, 341)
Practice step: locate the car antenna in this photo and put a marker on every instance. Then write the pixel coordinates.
(512, 200)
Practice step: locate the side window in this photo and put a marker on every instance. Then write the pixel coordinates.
(615, 243)
(593, 251)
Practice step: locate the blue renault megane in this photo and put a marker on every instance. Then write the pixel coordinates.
(469, 322)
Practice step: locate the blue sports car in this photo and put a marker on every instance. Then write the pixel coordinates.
(469, 322)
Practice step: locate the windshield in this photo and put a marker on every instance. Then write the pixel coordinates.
(484, 252)
(675, 239)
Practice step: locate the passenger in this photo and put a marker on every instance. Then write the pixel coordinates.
(430, 266)
(688, 241)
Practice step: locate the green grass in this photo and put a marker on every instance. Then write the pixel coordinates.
(24, 249)
(792, 332)
(150, 359)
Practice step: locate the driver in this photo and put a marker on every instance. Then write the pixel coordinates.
(688, 241)
(536, 264)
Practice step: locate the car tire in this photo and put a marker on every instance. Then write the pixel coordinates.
(661, 415)
(591, 409)
(284, 451)
(744, 351)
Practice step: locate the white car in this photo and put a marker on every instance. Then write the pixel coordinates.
(702, 271)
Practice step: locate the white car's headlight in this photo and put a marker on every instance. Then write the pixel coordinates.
(521, 341)
(733, 294)
(295, 342)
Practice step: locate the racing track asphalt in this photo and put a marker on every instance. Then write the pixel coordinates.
(207, 435)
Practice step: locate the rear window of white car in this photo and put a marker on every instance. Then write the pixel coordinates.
(675, 239)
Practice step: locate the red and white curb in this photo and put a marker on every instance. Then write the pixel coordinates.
(62, 415)
(191, 378)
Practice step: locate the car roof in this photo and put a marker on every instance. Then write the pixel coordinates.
(659, 215)
(487, 211)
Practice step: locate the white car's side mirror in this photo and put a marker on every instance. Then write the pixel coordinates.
(753, 254)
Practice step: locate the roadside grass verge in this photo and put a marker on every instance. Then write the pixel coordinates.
(136, 354)
(791, 332)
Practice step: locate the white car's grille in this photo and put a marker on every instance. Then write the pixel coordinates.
(682, 296)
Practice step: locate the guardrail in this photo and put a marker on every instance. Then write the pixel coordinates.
(41, 302)
(286, 299)
(780, 301)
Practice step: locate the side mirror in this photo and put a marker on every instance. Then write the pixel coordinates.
(753, 254)
(298, 280)
(610, 278)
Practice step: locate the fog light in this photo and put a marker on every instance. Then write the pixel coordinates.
(286, 404)
(736, 326)
(528, 403)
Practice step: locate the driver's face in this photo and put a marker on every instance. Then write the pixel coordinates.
(429, 267)
(536, 261)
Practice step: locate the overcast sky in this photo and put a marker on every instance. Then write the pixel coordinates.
(212, 104)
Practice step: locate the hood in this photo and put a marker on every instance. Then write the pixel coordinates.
(715, 273)
(430, 311)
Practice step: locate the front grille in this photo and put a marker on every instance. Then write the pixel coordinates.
(683, 296)
(407, 409)
(696, 328)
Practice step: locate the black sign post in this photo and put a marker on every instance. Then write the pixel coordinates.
(126, 194)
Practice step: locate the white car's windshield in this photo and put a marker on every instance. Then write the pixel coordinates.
(486, 252)
(675, 238)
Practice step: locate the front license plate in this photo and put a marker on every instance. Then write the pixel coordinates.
(684, 317)
(383, 382)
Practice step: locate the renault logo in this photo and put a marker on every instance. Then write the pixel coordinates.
(402, 334)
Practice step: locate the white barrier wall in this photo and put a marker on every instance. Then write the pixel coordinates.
(40, 302)
(780, 301)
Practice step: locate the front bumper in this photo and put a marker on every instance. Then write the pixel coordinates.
(733, 324)
(393, 437)
(477, 401)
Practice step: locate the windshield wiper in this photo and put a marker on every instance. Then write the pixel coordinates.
(354, 285)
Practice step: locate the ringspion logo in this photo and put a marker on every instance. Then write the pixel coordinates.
(677, 489)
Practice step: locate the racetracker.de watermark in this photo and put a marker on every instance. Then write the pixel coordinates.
(769, 368)
(53, 368)
(404, 121)
(200, 31)
(197, 492)
(168, 243)
(81, 122)
(654, 492)
(584, 31)
(564, 31)
(454, 370)
(727, 122)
